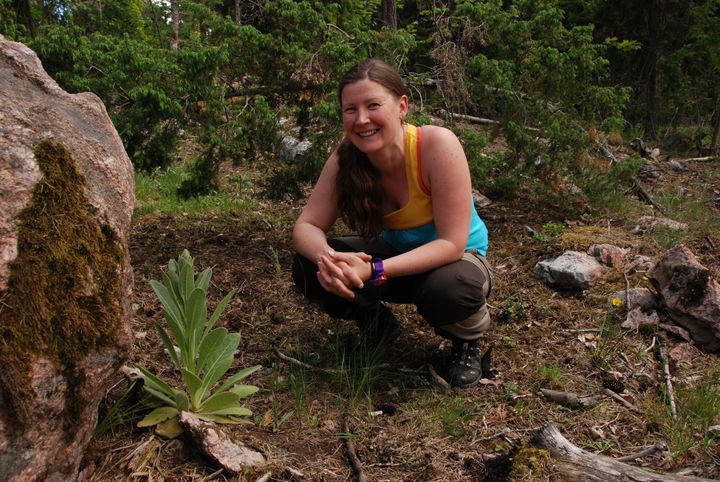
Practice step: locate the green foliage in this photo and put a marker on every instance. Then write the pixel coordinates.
(203, 355)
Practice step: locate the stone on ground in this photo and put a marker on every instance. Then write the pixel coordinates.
(572, 270)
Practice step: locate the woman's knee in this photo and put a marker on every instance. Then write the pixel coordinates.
(452, 293)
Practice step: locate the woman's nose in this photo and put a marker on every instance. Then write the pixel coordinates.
(362, 116)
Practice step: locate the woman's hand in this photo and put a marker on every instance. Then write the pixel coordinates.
(341, 272)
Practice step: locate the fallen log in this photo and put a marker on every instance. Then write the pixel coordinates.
(576, 464)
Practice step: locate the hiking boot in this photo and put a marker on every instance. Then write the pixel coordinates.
(379, 325)
(465, 368)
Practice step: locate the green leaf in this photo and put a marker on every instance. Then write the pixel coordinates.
(220, 361)
(219, 401)
(169, 429)
(169, 399)
(236, 410)
(209, 345)
(243, 391)
(169, 304)
(238, 376)
(187, 282)
(168, 344)
(154, 382)
(181, 401)
(195, 387)
(158, 415)
(203, 280)
(218, 311)
(196, 309)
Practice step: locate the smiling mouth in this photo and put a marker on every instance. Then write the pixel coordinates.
(367, 133)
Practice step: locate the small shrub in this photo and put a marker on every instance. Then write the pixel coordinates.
(203, 354)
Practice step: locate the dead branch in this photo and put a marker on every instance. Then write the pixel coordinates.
(440, 381)
(576, 464)
(645, 196)
(469, 118)
(668, 379)
(569, 399)
(656, 447)
(350, 447)
(621, 400)
(697, 159)
(606, 152)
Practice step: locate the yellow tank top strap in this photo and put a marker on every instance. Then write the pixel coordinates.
(418, 211)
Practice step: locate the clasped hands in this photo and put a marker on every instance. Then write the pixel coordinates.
(342, 272)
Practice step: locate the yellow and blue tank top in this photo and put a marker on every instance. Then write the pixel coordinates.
(413, 225)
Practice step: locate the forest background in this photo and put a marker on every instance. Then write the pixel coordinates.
(228, 71)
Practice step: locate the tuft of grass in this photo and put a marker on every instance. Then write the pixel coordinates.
(156, 193)
(697, 409)
(454, 414)
(361, 368)
(550, 376)
(694, 210)
(608, 340)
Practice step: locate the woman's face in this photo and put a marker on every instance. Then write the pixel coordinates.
(372, 115)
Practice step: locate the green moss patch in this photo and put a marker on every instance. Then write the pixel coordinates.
(64, 296)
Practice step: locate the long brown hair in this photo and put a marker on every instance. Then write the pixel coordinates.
(360, 195)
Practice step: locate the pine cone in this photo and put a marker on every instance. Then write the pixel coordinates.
(613, 384)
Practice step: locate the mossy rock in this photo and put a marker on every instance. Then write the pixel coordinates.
(64, 295)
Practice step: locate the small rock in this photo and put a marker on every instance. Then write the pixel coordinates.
(608, 254)
(650, 223)
(637, 319)
(714, 431)
(217, 446)
(641, 298)
(480, 200)
(570, 271)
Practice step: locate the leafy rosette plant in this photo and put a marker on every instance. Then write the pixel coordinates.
(202, 353)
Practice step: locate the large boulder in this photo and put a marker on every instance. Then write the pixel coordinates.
(67, 193)
(690, 295)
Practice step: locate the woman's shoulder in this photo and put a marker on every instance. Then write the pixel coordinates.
(437, 138)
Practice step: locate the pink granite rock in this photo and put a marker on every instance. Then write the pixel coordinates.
(690, 295)
(67, 191)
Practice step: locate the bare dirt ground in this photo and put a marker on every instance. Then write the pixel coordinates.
(405, 427)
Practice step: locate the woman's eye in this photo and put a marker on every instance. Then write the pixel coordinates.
(349, 110)
(374, 105)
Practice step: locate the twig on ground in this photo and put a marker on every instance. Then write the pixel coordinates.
(307, 366)
(697, 159)
(668, 379)
(504, 433)
(657, 447)
(350, 447)
(621, 400)
(568, 399)
(627, 292)
(264, 477)
(440, 381)
(652, 345)
(212, 476)
(645, 196)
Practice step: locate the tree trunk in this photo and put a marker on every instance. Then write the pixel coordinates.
(652, 58)
(576, 464)
(175, 24)
(238, 13)
(715, 123)
(389, 8)
(23, 11)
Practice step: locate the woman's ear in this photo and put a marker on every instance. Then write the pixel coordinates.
(404, 107)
